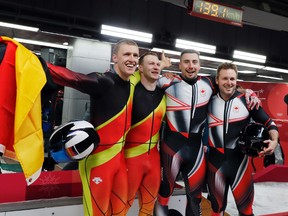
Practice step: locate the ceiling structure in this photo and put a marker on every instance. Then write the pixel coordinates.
(264, 31)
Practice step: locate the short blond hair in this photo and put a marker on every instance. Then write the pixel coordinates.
(122, 42)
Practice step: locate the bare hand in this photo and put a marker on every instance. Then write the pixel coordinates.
(269, 150)
(252, 99)
(168, 75)
(165, 61)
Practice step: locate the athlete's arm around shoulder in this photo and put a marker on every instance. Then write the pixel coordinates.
(92, 83)
(166, 81)
(212, 83)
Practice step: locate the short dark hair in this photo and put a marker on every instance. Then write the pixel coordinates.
(226, 65)
(141, 59)
(189, 51)
(121, 42)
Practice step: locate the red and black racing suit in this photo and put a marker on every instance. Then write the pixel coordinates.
(103, 173)
(181, 147)
(227, 165)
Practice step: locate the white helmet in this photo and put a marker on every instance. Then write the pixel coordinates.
(73, 140)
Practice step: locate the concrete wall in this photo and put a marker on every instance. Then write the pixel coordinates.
(85, 56)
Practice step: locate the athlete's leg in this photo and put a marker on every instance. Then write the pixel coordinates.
(150, 185)
(170, 166)
(119, 191)
(194, 173)
(97, 180)
(243, 188)
(218, 189)
(135, 174)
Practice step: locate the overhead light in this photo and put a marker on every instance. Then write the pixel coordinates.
(247, 72)
(172, 52)
(207, 68)
(41, 43)
(208, 58)
(174, 60)
(171, 71)
(248, 65)
(203, 74)
(126, 33)
(184, 44)
(270, 77)
(16, 26)
(275, 69)
(249, 56)
(38, 53)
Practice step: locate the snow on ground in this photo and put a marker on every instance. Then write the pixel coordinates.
(270, 197)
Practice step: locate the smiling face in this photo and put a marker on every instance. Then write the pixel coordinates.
(189, 65)
(149, 67)
(125, 60)
(227, 81)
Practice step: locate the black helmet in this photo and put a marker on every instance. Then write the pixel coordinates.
(72, 141)
(252, 137)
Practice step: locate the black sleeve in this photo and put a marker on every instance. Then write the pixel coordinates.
(262, 117)
(94, 83)
(213, 84)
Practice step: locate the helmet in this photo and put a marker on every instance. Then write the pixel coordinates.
(72, 141)
(252, 137)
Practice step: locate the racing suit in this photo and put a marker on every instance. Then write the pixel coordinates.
(141, 148)
(181, 147)
(227, 165)
(103, 173)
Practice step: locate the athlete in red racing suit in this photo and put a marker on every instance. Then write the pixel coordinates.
(181, 147)
(227, 165)
(103, 173)
(141, 146)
